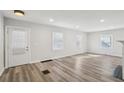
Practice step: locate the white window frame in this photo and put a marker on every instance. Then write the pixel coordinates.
(111, 36)
(79, 39)
(54, 48)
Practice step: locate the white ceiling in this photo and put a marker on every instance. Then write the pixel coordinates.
(88, 20)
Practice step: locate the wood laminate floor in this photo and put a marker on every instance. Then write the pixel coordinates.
(78, 68)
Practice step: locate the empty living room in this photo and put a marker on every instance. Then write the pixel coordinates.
(61, 45)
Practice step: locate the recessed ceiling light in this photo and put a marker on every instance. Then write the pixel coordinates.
(51, 20)
(19, 13)
(77, 26)
(102, 20)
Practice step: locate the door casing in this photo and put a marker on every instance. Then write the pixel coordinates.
(6, 43)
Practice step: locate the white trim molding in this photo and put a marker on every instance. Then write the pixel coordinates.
(1, 71)
(6, 43)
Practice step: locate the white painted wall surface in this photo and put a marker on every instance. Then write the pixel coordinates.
(122, 42)
(94, 42)
(1, 45)
(41, 40)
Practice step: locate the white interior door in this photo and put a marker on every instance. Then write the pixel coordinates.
(18, 46)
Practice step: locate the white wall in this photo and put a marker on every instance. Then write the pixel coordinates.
(94, 42)
(41, 40)
(1, 45)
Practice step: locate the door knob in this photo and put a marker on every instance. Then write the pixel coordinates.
(26, 48)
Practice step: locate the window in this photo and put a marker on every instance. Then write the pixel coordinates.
(106, 41)
(58, 42)
(19, 42)
(79, 41)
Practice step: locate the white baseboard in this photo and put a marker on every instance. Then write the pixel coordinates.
(36, 61)
(1, 71)
(99, 53)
